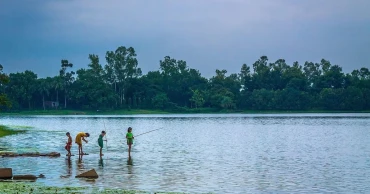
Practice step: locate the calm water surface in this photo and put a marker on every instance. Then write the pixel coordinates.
(282, 153)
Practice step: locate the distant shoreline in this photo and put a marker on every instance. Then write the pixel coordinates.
(150, 112)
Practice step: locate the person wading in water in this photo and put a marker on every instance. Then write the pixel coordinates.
(130, 140)
(81, 136)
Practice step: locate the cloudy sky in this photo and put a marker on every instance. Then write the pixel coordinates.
(208, 34)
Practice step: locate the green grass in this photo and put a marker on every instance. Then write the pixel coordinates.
(23, 187)
(300, 111)
(131, 112)
(45, 112)
(4, 131)
(79, 112)
(179, 111)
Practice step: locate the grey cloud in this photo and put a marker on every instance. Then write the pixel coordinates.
(209, 34)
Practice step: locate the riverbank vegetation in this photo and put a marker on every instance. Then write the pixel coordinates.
(148, 112)
(84, 112)
(118, 86)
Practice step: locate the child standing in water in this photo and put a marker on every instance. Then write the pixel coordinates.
(100, 142)
(130, 140)
(68, 144)
(81, 136)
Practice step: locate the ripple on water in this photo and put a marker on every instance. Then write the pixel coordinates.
(299, 153)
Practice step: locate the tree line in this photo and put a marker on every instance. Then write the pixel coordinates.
(120, 84)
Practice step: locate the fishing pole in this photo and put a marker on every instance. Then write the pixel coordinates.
(149, 131)
(106, 140)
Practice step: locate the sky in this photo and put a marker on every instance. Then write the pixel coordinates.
(208, 34)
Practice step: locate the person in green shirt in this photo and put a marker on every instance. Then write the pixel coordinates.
(100, 142)
(130, 140)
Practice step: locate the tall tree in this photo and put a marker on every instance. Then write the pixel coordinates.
(176, 86)
(22, 87)
(261, 74)
(277, 70)
(223, 90)
(121, 67)
(57, 85)
(67, 78)
(246, 78)
(44, 86)
(312, 73)
(93, 91)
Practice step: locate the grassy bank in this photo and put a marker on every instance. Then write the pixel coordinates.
(180, 111)
(11, 187)
(80, 112)
(301, 111)
(6, 131)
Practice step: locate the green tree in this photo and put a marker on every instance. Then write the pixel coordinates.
(227, 103)
(67, 78)
(22, 87)
(332, 99)
(261, 74)
(277, 70)
(223, 90)
(160, 101)
(93, 92)
(263, 99)
(178, 81)
(44, 86)
(332, 77)
(294, 77)
(197, 98)
(291, 99)
(176, 86)
(4, 79)
(312, 73)
(57, 85)
(353, 99)
(246, 78)
(121, 67)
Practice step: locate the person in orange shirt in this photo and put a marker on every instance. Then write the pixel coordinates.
(81, 136)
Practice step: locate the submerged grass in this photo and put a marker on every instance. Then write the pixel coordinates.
(23, 187)
(19, 127)
(4, 131)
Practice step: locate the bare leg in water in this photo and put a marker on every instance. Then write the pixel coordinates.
(80, 149)
(129, 150)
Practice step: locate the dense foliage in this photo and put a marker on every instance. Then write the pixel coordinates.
(119, 84)
(4, 79)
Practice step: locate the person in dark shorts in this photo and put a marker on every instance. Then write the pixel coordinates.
(130, 140)
(100, 142)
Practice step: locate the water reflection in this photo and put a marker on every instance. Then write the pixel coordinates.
(196, 154)
(130, 161)
(69, 166)
(80, 164)
(101, 162)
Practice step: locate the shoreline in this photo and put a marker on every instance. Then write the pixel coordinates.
(34, 187)
(151, 112)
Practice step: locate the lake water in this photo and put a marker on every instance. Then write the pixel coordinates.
(233, 153)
